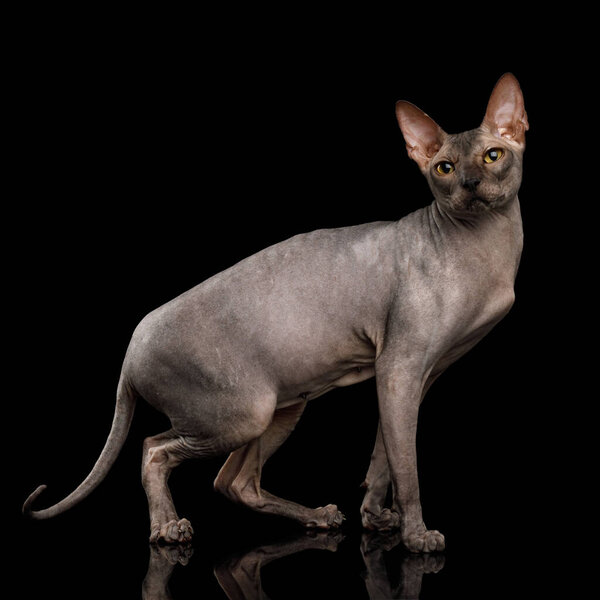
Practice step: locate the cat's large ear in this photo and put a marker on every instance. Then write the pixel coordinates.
(505, 115)
(423, 136)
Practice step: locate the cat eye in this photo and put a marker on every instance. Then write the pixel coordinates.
(445, 167)
(493, 155)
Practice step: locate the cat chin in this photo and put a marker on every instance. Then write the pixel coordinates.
(476, 204)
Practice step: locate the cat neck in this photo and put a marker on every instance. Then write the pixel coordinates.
(477, 220)
(495, 236)
(497, 230)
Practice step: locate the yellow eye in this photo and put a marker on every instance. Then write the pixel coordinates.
(445, 167)
(493, 155)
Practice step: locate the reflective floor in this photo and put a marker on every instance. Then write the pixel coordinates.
(274, 561)
(239, 575)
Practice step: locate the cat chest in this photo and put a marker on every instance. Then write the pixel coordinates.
(467, 327)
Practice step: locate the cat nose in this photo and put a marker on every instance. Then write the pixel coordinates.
(471, 183)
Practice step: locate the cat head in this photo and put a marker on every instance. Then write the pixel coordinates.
(477, 170)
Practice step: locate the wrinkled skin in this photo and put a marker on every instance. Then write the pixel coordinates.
(233, 361)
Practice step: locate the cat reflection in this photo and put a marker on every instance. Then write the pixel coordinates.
(160, 568)
(412, 567)
(240, 579)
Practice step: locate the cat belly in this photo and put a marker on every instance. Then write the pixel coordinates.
(321, 385)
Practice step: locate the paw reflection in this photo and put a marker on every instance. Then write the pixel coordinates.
(160, 567)
(387, 574)
(404, 578)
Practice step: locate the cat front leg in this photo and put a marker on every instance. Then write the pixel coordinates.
(374, 515)
(400, 385)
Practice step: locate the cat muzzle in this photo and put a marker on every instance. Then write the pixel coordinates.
(471, 184)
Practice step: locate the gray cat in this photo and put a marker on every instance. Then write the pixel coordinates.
(233, 361)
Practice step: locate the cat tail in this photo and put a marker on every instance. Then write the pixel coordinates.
(125, 406)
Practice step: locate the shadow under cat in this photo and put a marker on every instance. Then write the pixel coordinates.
(239, 574)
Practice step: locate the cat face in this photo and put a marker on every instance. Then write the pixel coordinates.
(477, 170)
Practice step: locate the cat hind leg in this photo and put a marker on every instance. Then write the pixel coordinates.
(239, 478)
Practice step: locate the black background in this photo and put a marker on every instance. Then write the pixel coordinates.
(148, 155)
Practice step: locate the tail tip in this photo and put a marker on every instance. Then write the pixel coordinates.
(27, 512)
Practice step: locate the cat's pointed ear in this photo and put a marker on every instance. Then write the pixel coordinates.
(423, 136)
(505, 115)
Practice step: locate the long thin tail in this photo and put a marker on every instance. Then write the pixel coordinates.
(116, 438)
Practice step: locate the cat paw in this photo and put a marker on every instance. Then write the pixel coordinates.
(172, 532)
(429, 540)
(326, 517)
(386, 520)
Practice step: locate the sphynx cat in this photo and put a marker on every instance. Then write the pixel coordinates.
(233, 361)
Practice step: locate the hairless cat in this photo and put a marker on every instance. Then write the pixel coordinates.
(233, 361)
